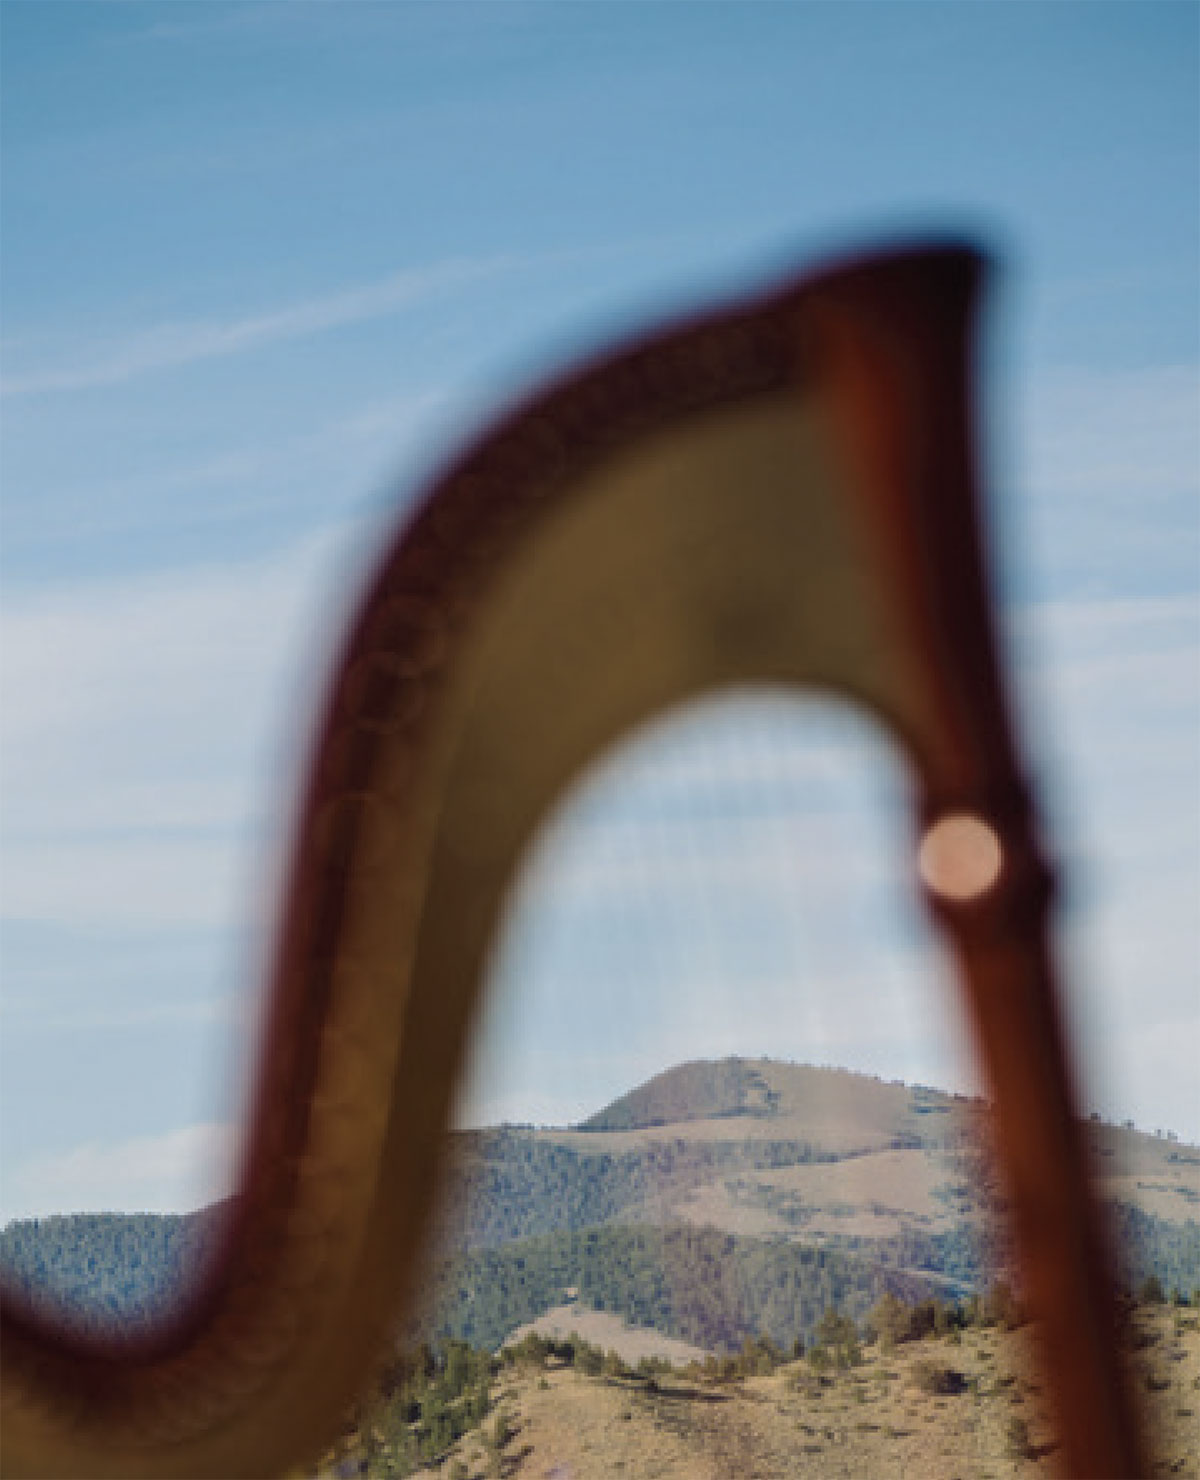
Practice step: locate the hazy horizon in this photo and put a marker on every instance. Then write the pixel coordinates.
(264, 266)
(1161, 1132)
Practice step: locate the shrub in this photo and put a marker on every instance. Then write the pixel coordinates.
(759, 1357)
(1002, 1308)
(1017, 1436)
(837, 1334)
(937, 1380)
(502, 1430)
(922, 1320)
(531, 1351)
(589, 1359)
(888, 1321)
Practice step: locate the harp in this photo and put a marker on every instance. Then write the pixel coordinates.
(783, 491)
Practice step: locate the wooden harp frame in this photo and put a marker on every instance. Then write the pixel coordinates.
(781, 491)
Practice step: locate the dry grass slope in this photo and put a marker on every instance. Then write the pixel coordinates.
(884, 1418)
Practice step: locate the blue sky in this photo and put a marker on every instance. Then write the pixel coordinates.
(264, 265)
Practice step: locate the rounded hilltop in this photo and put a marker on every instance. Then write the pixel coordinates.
(818, 1102)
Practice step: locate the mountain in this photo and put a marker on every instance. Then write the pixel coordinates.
(705, 1089)
(838, 1108)
(718, 1200)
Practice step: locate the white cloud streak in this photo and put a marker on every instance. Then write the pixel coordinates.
(1116, 435)
(170, 1173)
(144, 735)
(232, 1013)
(174, 345)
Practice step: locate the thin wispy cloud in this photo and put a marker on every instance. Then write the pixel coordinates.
(101, 882)
(1099, 621)
(182, 418)
(212, 22)
(1113, 434)
(29, 1013)
(140, 723)
(336, 462)
(174, 345)
(169, 1173)
(824, 861)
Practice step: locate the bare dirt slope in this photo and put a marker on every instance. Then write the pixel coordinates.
(610, 1333)
(835, 1110)
(876, 1194)
(897, 1150)
(876, 1420)
(1159, 1174)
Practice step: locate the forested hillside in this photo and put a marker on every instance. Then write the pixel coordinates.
(716, 1201)
(508, 1184)
(709, 1288)
(100, 1269)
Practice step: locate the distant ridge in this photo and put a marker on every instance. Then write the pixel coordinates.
(772, 1089)
(718, 1199)
(106, 1271)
